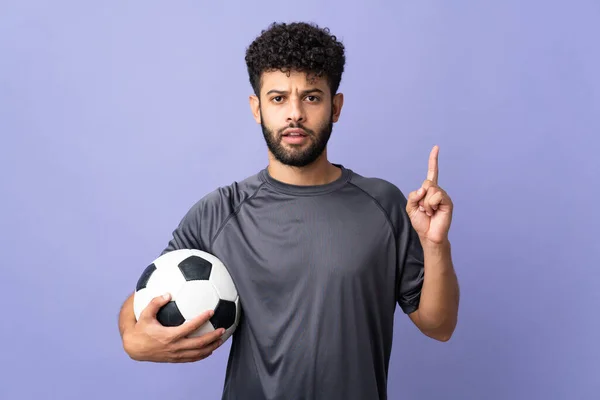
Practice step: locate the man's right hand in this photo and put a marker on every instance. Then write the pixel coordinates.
(149, 340)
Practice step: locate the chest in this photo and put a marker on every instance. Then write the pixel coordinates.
(305, 246)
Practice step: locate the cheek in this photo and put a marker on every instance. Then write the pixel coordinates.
(322, 112)
(271, 116)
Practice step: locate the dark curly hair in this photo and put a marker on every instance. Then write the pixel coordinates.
(297, 46)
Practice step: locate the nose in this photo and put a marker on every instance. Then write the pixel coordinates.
(296, 110)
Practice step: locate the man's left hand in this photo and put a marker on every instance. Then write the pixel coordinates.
(430, 207)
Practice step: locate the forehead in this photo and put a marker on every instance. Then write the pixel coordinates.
(293, 81)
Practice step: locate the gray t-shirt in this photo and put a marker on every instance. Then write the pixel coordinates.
(319, 271)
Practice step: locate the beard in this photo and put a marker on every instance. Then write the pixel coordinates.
(296, 156)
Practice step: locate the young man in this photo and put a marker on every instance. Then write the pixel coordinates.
(320, 255)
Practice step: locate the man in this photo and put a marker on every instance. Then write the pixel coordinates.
(320, 255)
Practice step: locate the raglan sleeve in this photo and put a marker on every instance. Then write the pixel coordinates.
(187, 234)
(410, 261)
(198, 225)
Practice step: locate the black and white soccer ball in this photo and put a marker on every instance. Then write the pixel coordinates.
(197, 281)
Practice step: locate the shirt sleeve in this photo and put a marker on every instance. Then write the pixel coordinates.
(187, 234)
(200, 223)
(410, 268)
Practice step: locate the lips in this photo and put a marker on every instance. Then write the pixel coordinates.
(294, 133)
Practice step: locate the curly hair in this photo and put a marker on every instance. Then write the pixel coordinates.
(298, 46)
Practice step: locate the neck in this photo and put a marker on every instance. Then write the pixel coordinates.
(320, 172)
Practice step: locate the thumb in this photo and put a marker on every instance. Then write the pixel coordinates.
(154, 306)
(412, 203)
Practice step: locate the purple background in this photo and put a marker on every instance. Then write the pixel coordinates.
(115, 117)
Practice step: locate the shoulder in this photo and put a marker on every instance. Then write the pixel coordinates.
(204, 218)
(227, 199)
(386, 195)
(383, 191)
(233, 195)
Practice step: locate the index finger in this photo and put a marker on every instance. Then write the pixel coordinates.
(191, 325)
(432, 171)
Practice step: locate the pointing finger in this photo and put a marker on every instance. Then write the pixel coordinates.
(432, 171)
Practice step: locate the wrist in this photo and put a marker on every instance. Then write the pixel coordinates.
(432, 247)
(438, 257)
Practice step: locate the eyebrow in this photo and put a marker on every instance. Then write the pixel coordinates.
(303, 93)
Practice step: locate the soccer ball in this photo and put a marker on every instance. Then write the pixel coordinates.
(197, 281)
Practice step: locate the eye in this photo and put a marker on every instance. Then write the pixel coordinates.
(312, 98)
(277, 99)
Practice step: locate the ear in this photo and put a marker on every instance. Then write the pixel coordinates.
(338, 102)
(255, 107)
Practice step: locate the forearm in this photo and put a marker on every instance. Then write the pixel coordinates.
(438, 308)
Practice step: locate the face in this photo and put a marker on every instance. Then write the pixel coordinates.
(296, 115)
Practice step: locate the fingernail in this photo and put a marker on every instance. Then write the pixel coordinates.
(420, 191)
(421, 208)
(166, 296)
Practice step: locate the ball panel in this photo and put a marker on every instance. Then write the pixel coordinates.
(207, 256)
(169, 315)
(224, 314)
(223, 283)
(141, 299)
(167, 279)
(229, 331)
(143, 281)
(196, 297)
(172, 258)
(195, 268)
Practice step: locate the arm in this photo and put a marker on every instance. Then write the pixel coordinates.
(126, 319)
(437, 314)
(430, 211)
(146, 339)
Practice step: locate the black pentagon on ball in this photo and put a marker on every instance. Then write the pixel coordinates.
(169, 315)
(195, 268)
(143, 281)
(224, 314)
